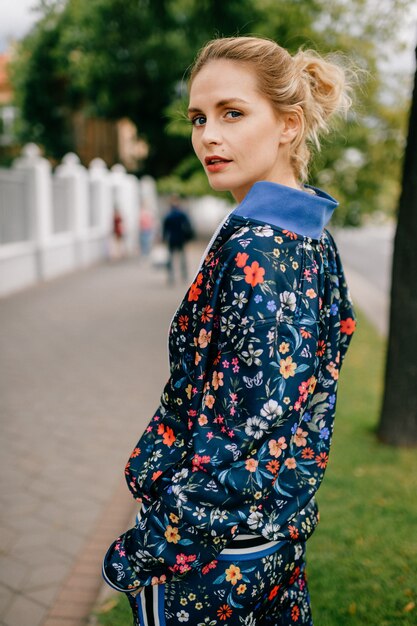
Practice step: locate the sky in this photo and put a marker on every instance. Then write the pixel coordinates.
(16, 18)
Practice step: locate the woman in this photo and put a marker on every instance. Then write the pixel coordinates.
(228, 467)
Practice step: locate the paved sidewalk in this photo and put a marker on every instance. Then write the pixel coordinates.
(83, 361)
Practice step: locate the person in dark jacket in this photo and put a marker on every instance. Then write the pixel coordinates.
(227, 470)
(176, 233)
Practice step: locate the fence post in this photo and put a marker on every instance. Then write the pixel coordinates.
(101, 195)
(76, 175)
(101, 203)
(38, 172)
(126, 199)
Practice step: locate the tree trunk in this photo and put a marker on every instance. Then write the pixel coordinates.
(398, 420)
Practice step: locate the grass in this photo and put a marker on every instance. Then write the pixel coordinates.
(362, 559)
(363, 556)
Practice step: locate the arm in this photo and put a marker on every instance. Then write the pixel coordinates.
(261, 435)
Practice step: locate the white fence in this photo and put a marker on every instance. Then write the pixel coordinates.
(53, 223)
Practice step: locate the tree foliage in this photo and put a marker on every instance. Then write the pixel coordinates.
(128, 58)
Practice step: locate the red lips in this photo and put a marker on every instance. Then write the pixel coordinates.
(214, 158)
(215, 163)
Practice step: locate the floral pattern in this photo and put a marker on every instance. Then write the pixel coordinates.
(267, 587)
(241, 439)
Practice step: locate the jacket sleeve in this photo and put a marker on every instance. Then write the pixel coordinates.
(261, 435)
(341, 300)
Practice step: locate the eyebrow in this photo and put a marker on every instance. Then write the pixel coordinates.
(220, 104)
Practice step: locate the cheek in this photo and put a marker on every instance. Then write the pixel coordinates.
(196, 144)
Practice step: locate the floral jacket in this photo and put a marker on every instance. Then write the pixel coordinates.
(241, 438)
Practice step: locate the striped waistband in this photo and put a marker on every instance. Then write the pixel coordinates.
(248, 546)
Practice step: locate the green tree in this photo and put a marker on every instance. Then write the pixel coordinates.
(43, 91)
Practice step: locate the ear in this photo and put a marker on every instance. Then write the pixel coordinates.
(292, 123)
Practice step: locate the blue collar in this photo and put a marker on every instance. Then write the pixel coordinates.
(288, 208)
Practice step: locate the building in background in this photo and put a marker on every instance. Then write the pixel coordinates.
(112, 141)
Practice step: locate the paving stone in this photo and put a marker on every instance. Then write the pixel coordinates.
(87, 516)
(43, 575)
(6, 597)
(79, 594)
(88, 569)
(47, 553)
(38, 537)
(13, 573)
(71, 609)
(24, 612)
(16, 505)
(25, 526)
(8, 537)
(81, 581)
(55, 513)
(62, 621)
(44, 596)
(68, 543)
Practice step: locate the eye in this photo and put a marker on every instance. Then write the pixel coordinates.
(198, 120)
(234, 114)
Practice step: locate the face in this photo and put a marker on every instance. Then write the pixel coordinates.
(237, 134)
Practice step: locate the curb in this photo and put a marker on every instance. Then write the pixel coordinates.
(79, 593)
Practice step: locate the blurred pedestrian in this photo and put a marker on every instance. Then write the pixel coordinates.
(146, 231)
(227, 470)
(119, 249)
(176, 233)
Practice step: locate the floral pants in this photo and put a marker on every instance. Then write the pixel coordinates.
(252, 583)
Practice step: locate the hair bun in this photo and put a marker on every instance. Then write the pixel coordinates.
(326, 80)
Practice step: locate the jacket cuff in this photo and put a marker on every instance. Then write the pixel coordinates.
(114, 570)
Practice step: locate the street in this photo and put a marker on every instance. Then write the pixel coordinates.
(367, 256)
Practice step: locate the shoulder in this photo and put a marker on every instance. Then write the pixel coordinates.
(261, 262)
(252, 241)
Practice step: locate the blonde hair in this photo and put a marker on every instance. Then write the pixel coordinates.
(320, 86)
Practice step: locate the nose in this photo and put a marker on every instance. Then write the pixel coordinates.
(211, 133)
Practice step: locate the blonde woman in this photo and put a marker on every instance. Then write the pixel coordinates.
(227, 470)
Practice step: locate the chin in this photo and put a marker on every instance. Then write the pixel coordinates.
(218, 186)
(223, 183)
